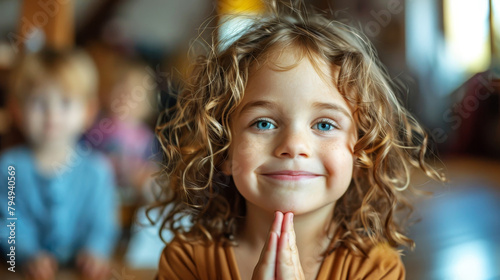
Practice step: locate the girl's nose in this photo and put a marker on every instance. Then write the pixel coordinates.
(293, 143)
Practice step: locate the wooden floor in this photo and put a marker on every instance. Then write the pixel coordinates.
(459, 234)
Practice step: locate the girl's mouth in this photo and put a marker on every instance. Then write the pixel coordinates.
(291, 175)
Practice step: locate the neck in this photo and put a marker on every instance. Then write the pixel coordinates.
(50, 157)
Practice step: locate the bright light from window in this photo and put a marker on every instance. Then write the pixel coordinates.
(472, 260)
(496, 28)
(467, 33)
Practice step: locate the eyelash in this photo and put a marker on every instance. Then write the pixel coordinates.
(327, 121)
(262, 120)
(330, 122)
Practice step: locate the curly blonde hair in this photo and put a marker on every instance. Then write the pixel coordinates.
(195, 134)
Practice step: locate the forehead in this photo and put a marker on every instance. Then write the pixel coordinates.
(52, 88)
(289, 75)
(282, 56)
(292, 84)
(289, 59)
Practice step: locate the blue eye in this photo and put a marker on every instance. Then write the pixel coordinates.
(264, 125)
(325, 126)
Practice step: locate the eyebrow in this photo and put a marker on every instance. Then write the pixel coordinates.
(258, 103)
(332, 106)
(317, 105)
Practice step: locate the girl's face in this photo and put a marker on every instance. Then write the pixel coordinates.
(293, 138)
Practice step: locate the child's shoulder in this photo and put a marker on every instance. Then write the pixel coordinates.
(19, 150)
(180, 249)
(14, 155)
(384, 258)
(178, 260)
(381, 262)
(183, 259)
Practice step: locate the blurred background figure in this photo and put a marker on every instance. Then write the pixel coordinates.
(122, 131)
(64, 196)
(444, 54)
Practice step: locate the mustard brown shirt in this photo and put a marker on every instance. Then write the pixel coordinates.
(186, 261)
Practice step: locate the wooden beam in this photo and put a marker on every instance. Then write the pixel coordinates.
(54, 17)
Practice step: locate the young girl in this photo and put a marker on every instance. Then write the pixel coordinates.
(288, 152)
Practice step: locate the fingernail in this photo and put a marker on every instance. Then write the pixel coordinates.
(291, 218)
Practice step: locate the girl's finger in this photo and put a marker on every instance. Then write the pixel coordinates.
(287, 225)
(288, 262)
(276, 228)
(277, 224)
(266, 267)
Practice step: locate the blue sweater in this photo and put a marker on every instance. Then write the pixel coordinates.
(73, 210)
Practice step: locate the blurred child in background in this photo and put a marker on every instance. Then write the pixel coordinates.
(127, 107)
(64, 194)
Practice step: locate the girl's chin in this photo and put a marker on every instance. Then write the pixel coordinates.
(296, 206)
(299, 208)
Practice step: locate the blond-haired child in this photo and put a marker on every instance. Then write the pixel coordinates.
(64, 191)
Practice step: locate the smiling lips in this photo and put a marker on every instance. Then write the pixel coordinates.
(290, 175)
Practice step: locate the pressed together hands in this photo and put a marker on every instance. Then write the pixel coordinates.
(280, 256)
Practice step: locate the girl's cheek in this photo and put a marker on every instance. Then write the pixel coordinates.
(247, 144)
(246, 153)
(337, 156)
